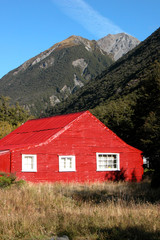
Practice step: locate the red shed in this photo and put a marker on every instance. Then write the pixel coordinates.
(73, 147)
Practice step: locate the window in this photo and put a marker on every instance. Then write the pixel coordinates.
(67, 163)
(107, 161)
(29, 163)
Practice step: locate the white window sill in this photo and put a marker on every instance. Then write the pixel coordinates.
(67, 170)
(107, 170)
(29, 171)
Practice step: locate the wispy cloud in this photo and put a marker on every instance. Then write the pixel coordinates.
(89, 18)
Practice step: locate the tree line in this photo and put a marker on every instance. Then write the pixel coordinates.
(11, 116)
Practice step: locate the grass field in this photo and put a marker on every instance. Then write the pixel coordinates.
(114, 211)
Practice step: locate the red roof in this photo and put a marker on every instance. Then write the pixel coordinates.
(37, 131)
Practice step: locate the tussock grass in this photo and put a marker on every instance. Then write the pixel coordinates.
(116, 211)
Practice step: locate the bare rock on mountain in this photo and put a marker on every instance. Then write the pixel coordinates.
(117, 44)
(80, 63)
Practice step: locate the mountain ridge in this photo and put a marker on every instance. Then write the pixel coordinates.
(54, 74)
(127, 68)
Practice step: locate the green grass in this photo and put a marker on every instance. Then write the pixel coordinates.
(115, 211)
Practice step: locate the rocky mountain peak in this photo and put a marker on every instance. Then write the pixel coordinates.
(73, 40)
(117, 44)
(77, 40)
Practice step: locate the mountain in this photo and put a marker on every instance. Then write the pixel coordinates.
(54, 74)
(121, 78)
(51, 76)
(117, 45)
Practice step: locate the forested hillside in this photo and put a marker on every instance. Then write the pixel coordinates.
(135, 117)
(54, 74)
(10, 116)
(126, 97)
(61, 70)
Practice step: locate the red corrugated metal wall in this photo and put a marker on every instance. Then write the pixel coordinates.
(5, 161)
(83, 139)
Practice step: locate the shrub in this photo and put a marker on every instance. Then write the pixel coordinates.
(8, 179)
(5, 181)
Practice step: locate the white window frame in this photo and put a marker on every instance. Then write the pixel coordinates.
(66, 168)
(24, 168)
(109, 168)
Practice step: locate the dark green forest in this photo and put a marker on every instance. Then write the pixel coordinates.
(135, 117)
(11, 116)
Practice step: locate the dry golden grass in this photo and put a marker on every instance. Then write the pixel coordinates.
(116, 211)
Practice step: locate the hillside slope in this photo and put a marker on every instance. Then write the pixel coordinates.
(121, 78)
(55, 73)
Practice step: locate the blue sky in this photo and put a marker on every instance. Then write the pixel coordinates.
(29, 27)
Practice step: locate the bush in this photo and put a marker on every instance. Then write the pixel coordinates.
(20, 182)
(8, 179)
(148, 174)
(5, 181)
